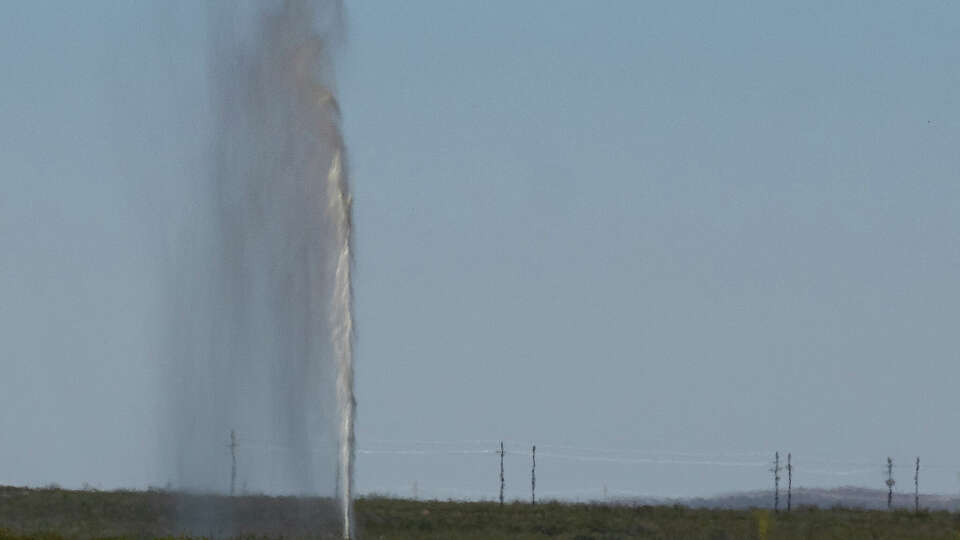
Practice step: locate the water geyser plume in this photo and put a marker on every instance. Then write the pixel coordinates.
(263, 324)
(340, 208)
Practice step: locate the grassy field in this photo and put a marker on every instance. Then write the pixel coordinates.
(54, 513)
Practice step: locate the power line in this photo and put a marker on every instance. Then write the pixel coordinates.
(533, 476)
(501, 473)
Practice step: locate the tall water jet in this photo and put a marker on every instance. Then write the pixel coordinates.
(342, 313)
(175, 236)
(261, 320)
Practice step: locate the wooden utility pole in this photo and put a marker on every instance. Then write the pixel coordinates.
(789, 482)
(916, 487)
(890, 483)
(233, 460)
(776, 481)
(533, 476)
(501, 473)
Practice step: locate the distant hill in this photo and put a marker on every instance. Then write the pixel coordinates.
(848, 497)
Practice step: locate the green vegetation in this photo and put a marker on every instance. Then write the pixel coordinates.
(52, 514)
(402, 519)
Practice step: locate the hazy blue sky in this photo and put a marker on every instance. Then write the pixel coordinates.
(657, 240)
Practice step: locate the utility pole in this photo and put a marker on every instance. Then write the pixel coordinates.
(776, 481)
(233, 460)
(916, 487)
(501, 473)
(890, 483)
(789, 482)
(533, 477)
